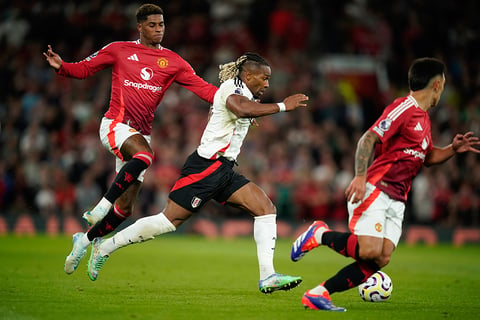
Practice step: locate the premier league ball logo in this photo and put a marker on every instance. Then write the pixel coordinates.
(385, 124)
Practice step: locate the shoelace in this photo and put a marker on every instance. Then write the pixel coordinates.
(100, 261)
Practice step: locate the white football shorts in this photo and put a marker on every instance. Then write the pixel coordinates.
(113, 134)
(377, 215)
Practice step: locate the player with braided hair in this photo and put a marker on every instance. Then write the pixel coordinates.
(208, 172)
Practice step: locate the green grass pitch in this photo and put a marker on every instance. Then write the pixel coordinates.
(188, 277)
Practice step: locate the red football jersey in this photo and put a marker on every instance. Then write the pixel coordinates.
(140, 77)
(405, 132)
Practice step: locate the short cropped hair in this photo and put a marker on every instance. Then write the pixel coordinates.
(146, 10)
(422, 71)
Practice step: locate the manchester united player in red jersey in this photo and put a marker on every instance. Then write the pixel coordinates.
(142, 71)
(377, 194)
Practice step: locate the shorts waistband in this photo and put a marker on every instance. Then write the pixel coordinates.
(231, 163)
(222, 159)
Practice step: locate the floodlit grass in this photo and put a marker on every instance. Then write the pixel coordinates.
(187, 277)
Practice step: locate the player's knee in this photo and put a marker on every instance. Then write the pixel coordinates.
(267, 209)
(145, 157)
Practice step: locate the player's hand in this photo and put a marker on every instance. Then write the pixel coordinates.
(295, 101)
(53, 58)
(356, 190)
(465, 142)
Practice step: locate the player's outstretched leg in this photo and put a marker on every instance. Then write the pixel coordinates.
(277, 282)
(320, 302)
(78, 252)
(96, 261)
(308, 240)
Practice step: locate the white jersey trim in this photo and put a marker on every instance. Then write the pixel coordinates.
(401, 108)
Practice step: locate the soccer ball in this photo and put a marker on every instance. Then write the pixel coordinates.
(377, 288)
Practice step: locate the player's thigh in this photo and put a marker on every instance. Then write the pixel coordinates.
(368, 217)
(134, 144)
(122, 140)
(252, 199)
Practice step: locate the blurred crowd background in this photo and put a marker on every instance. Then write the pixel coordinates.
(52, 162)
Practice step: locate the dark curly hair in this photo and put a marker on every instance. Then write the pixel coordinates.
(146, 10)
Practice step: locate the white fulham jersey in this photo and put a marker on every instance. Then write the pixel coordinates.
(225, 132)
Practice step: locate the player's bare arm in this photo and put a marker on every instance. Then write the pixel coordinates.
(243, 107)
(53, 58)
(461, 143)
(356, 190)
(364, 152)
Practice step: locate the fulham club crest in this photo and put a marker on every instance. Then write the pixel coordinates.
(196, 202)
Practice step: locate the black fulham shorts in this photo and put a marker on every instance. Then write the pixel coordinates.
(204, 179)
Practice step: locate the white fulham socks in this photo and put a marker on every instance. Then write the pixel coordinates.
(265, 235)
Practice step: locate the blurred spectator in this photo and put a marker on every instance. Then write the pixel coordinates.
(45, 197)
(442, 196)
(14, 27)
(289, 29)
(466, 205)
(87, 192)
(422, 200)
(64, 192)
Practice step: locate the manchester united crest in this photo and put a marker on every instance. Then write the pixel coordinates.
(162, 62)
(378, 227)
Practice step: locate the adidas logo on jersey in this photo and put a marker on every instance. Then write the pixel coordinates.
(418, 127)
(133, 57)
